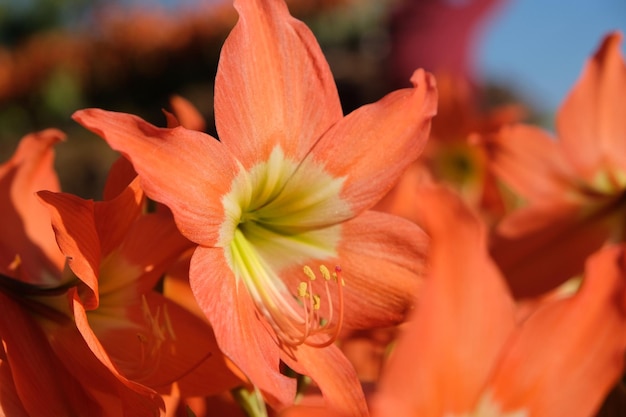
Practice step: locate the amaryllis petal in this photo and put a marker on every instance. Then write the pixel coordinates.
(239, 329)
(372, 146)
(309, 411)
(542, 246)
(149, 247)
(121, 174)
(453, 340)
(568, 355)
(279, 92)
(115, 217)
(204, 168)
(34, 368)
(174, 346)
(532, 163)
(77, 238)
(187, 114)
(592, 120)
(28, 251)
(381, 257)
(80, 346)
(335, 376)
(10, 403)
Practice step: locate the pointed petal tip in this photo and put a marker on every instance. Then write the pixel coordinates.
(51, 135)
(610, 45)
(422, 79)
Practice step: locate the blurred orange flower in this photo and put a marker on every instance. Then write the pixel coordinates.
(47, 367)
(574, 186)
(464, 353)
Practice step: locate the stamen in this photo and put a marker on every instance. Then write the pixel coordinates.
(297, 330)
(158, 330)
(309, 272)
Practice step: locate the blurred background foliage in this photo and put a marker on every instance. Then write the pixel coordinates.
(57, 56)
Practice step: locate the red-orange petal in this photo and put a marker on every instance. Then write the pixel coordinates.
(26, 229)
(372, 146)
(592, 121)
(463, 318)
(186, 170)
(532, 163)
(187, 114)
(34, 368)
(77, 237)
(242, 334)
(273, 85)
(544, 245)
(382, 258)
(335, 376)
(566, 357)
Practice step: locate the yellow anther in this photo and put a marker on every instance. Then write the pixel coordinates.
(309, 272)
(302, 288)
(316, 302)
(325, 272)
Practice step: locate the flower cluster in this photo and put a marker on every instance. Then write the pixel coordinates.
(310, 263)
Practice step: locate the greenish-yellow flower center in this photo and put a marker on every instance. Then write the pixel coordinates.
(281, 214)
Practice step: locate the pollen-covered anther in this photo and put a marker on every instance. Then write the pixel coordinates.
(312, 302)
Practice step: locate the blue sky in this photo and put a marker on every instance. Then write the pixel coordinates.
(540, 46)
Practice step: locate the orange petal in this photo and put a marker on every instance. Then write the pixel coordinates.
(77, 237)
(121, 174)
(188, 354)
(532, 163)
(113, 218)
(374, 145)
(308, 411)
(542, 246)
(187, 114)
(35, 372)
(568, 355)
(241, 332)
(335, 376)
(10, 403)
(463, 319)
(591, 122)
(89, 363)
(382, 258)
(273, 85)
(26, 230)
(186, 170)
(150, 246)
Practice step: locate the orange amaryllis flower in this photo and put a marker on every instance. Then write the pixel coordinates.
(46, 366)
(28, 252)
(464, 353)
(120, 254)
(574, 186)
(286, 186)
